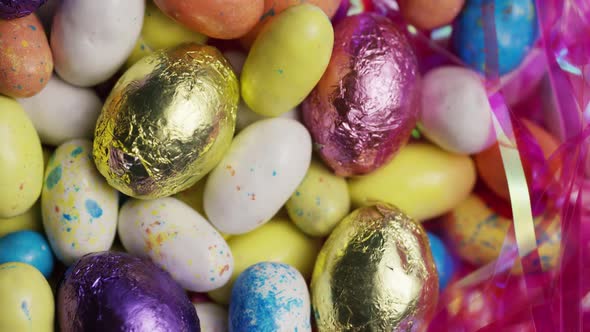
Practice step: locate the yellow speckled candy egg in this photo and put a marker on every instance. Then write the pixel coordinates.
(26, 299)
(478, 233)
(79, 208)
(158, 32)
(423, 180)
(287, 60)
(277, 241)
(320, 201)
(21, 160)
(177, 239)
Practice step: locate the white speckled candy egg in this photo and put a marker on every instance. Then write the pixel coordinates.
(212, 317)
(61, 112)
(179, 240)
(79, 208)
(270, 297)
(456, 113)
(263, 167)
(90, 40)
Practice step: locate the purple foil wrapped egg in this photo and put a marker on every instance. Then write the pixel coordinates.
(365, 106)
(11, 9)
(117, 292)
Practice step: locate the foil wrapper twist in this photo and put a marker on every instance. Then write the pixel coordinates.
(167, 122)
(118, 292)
(375, 273)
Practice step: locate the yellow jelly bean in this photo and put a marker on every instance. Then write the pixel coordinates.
(21, 160)
(277, 241)
(478, 235)
(158, 32)
(287, 60)
(26, 299)
(422, 180)
(320, 201)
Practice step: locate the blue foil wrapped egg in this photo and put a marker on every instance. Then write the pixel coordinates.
(515, 27)
(27, 247)
(270, 297)
(445, 265)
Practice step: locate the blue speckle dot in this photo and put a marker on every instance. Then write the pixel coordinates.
(53, 177)
(93, 208)
(68, 229)
(67, 217)
(280, 71)
(34, 28)
(25, 308)
(297, 193)
(274, 173)
(76, 151)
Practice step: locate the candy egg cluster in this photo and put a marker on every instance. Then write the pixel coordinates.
(268, 165)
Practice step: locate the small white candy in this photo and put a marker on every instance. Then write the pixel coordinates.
(263, 167)
(61, 111)
(91, 39)
(456, 113)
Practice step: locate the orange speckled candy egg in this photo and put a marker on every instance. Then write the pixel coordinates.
(274, 7)
(478, 233)
(25, 58)
(226, 19)
(491, 169)
(428, 14)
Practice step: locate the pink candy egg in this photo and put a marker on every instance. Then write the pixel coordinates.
(366, 104)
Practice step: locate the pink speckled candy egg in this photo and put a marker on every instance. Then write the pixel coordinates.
(366, 104)
(25, 58)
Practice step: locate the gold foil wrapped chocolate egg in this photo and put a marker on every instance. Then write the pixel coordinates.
(375, 273)
(167, 122)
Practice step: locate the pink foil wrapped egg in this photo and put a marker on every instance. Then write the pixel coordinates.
(366, 104)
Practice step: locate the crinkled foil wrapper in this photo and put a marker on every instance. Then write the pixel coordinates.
(118, 292)
(366, 104)
(375, 273)
(168, 121)
(11, 9)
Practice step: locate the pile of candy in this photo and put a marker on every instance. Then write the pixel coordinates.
(283, 165)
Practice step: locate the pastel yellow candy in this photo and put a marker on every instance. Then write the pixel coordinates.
(158, 32)
(21, 160)
(26, 299)
(30, 220)
(422, 180)
(478, 235)
(277, 241)
(320, 201)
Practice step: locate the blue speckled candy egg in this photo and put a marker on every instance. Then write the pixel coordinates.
(445, 266)
(27, 247)
(516, 30)
(270, 297)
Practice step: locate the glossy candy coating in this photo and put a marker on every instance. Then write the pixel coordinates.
(287, 60)
(226, 19)
(423, 180)
(27, 247)
(515, 28)
(366, 104)
(445, 266)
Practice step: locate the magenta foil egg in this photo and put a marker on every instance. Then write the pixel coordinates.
(365, 106)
